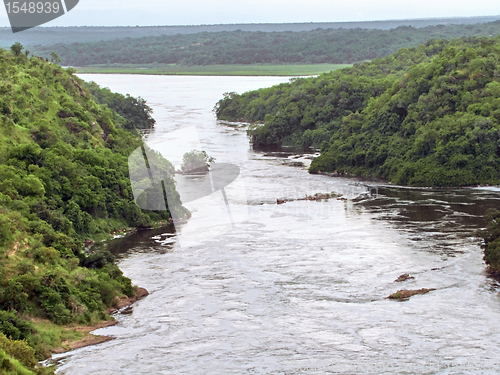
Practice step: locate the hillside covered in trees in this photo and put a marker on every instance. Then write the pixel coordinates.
(424, 116)
(130, 113)
(83, 34)
(335, 46)
(63, 179)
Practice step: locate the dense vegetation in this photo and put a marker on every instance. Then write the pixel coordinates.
(83, 34)
(492, 241)
(426, 116)
(63, 179)
(196, 161)
(130, 113)
(336, 46)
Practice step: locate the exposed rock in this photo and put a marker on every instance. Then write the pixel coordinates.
(403, 277)
(316, 197)
(82, 93)
(127, 301)
(405, 294)
(143, 227)
(319, 196)
(196, 170)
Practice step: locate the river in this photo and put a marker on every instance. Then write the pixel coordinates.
(298, 287)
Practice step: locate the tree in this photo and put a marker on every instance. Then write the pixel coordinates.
(54, 58)
(196, 161)
(16, 48)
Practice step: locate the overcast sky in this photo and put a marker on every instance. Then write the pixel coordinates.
(196, 12)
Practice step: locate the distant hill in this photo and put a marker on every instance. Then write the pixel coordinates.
(54, 35)
(319, 46)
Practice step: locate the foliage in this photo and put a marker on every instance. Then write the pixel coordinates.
(63, 178)
(16, 48)
(15, 328)
(491, 245)
(98, 259)
(72, 34)
(131, 113)
(304, 112)
(425, 116)
(335, 46)
(194, 161)
(17, 357)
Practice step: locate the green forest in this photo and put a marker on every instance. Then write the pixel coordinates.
(82, 34)
(131, 113)
(64, 148)
(425, 116)
(334, 46)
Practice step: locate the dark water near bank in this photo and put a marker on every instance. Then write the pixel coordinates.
(298, 287)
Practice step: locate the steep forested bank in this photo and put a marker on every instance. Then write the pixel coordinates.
(335, 46)
(130, 113)
(425, 116)
(63, 179)
(492, 242)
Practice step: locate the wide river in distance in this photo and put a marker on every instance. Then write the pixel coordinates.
(253, 287)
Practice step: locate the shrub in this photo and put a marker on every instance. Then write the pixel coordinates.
(98, 259)
(18, 349)
(14, 327)
(491, 245)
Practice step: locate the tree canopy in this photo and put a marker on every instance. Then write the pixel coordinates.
(424, 116)
(336, 46)
(132, 113)
(64, 178)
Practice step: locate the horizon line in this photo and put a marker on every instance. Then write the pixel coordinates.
(274, 23)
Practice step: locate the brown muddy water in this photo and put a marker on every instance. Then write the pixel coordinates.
(300, 287)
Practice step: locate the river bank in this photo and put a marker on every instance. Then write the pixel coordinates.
(80, 336)
(58, 339)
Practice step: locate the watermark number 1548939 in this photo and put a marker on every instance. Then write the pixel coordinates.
(24, 15)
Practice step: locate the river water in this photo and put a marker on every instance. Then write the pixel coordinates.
(300, 287)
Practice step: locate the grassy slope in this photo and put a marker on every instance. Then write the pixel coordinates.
(215, 70)
(63, 179)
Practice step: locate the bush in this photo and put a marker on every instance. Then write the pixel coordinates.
(491, 245)
(14, 327)
(18, 349)
(98, 259)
